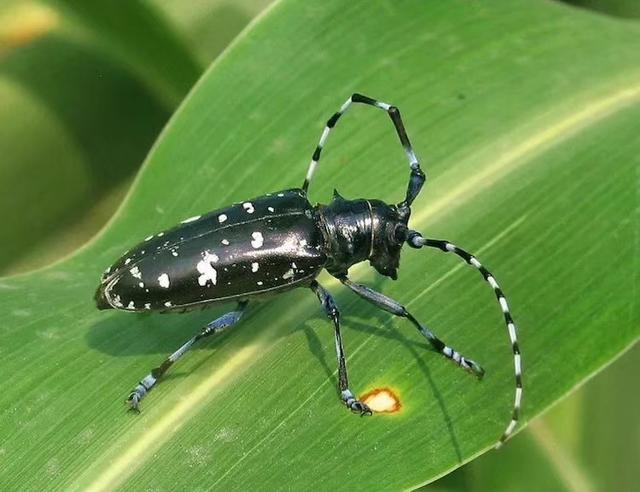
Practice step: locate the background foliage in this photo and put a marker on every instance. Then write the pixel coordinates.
(87, 93)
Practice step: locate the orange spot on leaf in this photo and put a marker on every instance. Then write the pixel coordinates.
(382, 400)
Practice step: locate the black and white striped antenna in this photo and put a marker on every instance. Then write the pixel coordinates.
(416, 240)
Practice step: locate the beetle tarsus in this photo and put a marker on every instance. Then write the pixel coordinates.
(355, 405)
(362, 408)
(138, 393)
(134, 402)
(474, 368)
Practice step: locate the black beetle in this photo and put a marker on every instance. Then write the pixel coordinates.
(277, 242)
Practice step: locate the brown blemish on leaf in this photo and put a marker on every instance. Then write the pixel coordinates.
(382, 400)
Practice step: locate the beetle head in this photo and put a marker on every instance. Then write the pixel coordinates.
(389, 232)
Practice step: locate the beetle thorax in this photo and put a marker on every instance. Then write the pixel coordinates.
(358, 230)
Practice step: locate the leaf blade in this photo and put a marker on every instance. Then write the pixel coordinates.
(447, 418)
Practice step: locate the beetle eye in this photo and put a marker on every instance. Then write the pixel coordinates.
(400, 233)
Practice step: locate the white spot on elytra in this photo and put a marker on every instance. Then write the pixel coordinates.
(135, 271)
(248, 206)
(160, 234)
(254, 266)
(288, 274)
(259, 283)
(208, 273)
(148, 238)
(174, 252)
(168, 304)
(280, 194)
(222, 218)
(147, 305)
(127, 261)
(131, 305)
(163, 280)
(293, 264)
(257, 240)
(141, 284)
(191, 219)
(271, 209)
(225, 242)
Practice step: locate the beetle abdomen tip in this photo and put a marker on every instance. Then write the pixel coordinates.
(101, 300)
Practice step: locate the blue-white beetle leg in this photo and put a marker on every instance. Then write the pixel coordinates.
(331, 309)
(216, 326)
(394, 307)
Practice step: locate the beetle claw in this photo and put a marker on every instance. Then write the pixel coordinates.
(134, 398)
(138, 393)
(355, 405)
(133, 401)
(362, 408)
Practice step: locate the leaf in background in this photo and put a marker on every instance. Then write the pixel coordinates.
(619, 8)
(518, 136)
(609, 441)
(210, 25)
(75, 128)
(585, 443)
(61, 91)
(160, 57)
(523, 466)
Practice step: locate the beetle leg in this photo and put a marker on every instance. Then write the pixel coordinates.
(330, 307)
(216, 326)
(416, 178)
(394, 307)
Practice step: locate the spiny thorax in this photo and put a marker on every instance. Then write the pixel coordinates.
(357, 230)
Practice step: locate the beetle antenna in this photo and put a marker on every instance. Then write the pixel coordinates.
(417, 177)
(415, 240)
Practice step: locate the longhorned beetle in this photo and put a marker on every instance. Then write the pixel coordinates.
(278, 242)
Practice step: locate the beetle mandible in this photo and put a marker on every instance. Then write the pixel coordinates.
(278, 242)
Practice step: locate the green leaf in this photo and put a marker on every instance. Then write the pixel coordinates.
(71, 138)
(529, 142)
(136, 34)
(619, 8)
(210, 25)
(98, 124)
(581, 444)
